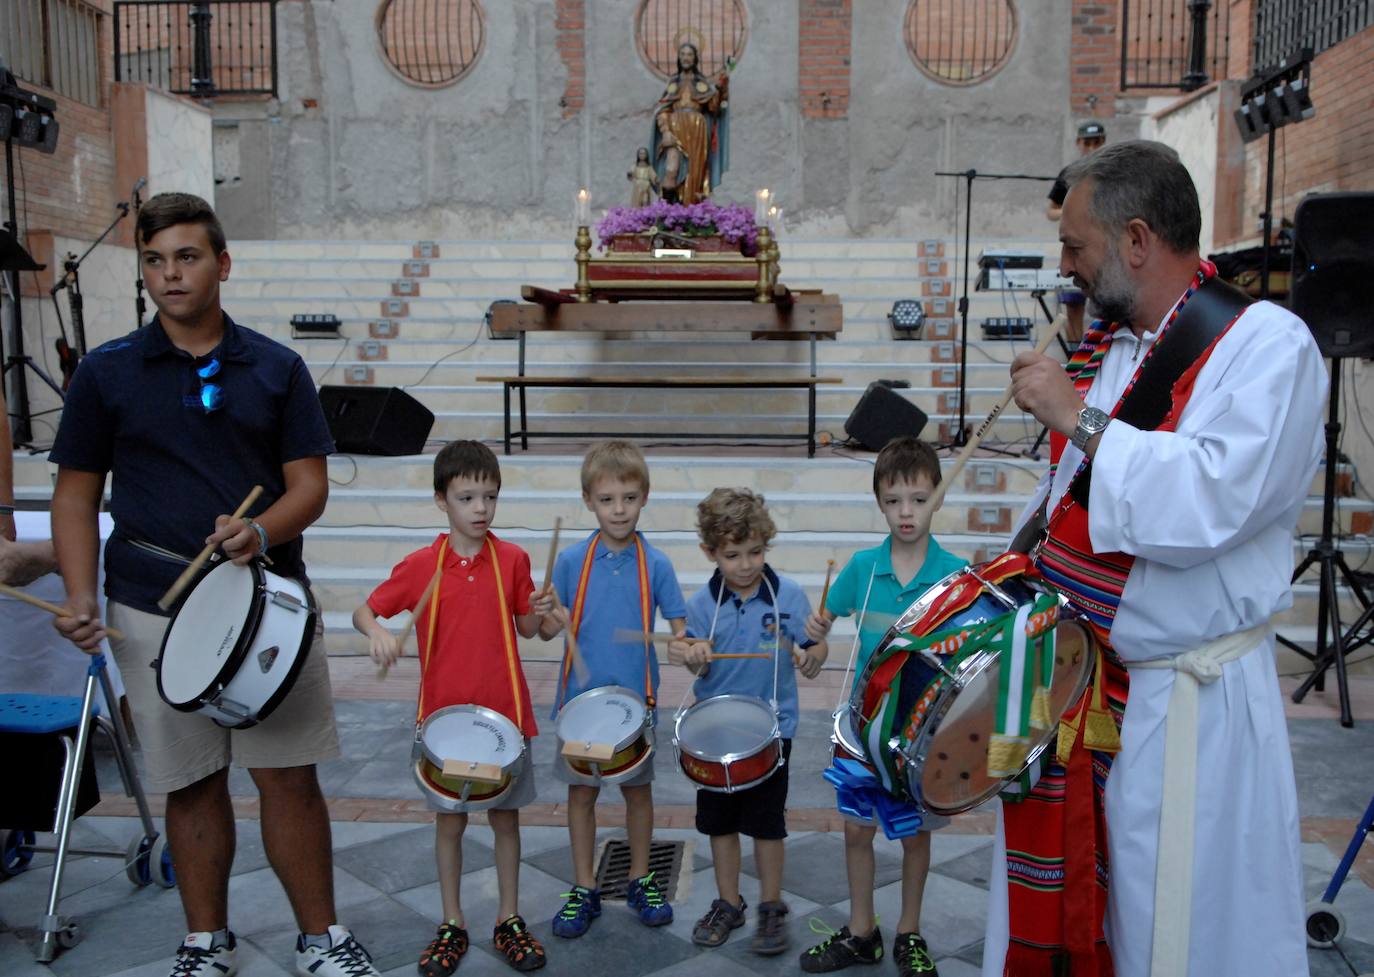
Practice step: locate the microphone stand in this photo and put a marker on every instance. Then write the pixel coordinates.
(71, 280)
(961, 433)
(140, 309)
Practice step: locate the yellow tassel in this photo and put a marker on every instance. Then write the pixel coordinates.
(1100, 732)
(1040, 709)
(1006, 755)
(1068, 736)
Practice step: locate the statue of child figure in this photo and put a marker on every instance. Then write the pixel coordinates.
(643, 179)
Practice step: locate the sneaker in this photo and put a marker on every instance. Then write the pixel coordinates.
(199, 957)
(842, 949)
(576, 916)
(770, 934)
(522, 950)
(913, 956)
(441, 957)
(645, 897)
(345, 957)
(714, 928)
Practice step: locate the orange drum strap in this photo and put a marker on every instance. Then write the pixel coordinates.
(508, 635)
(645, 611)
(430, 630)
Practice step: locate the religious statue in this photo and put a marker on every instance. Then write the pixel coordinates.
(691, 137)
(643, 179)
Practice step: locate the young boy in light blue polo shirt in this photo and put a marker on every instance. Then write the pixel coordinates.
(611, 583)
(880, 584)
(746, 609)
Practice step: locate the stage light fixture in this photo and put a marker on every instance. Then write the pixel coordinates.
(908, 318)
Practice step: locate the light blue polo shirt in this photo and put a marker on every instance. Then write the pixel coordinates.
(611, 604)
(750, 626)
(890, 598)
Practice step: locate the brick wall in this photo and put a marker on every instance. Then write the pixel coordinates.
(71, 193)
(823, 58)
(570, 20)
(1333, 150)
(1095, 58)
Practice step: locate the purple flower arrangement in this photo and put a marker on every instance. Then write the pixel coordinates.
(733, 222)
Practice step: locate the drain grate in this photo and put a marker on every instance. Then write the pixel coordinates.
(613, 871)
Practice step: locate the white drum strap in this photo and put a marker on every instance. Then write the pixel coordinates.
(777, 641)
(858, 636)
(1177, 816)
(710, 636)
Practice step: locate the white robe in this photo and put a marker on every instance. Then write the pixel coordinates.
(1209, 513)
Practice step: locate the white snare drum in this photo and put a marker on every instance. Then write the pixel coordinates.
(236, 644)
(606, 735)
(728, 742)
(466, 757)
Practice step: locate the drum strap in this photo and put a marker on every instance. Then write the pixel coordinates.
(646, 611)
(507, 629)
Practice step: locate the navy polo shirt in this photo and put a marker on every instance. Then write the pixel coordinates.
(134, 410)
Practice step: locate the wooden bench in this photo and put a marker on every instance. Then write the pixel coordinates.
(523, 383)
(792, 316)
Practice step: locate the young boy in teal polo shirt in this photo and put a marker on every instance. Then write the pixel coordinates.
(880, 584)
(611, 583)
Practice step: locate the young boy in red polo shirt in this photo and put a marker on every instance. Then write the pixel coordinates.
(472, 659)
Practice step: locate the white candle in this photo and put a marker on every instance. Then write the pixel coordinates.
(761, 207)
(584, 208)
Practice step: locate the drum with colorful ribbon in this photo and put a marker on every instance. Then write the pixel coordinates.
(964, 692)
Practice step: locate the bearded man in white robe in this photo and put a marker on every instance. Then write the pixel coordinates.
(1204, 865)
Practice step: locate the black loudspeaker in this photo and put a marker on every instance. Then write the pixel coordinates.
(881, 415)
(1333, 271)
(376, 420)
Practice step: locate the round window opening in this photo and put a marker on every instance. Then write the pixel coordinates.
(718, 29)
(431, 43)
(960, 42)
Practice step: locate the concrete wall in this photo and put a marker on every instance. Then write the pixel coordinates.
(351, 150)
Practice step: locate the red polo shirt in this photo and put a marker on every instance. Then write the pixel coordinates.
(470, 662)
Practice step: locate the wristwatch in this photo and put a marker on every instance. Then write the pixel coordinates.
(1091, 421)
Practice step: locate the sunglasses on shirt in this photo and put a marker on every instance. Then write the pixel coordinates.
(211, 394)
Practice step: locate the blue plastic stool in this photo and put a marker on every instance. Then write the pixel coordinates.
(147, 858)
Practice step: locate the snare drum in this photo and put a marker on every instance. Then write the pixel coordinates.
(605, 734)
(466, 757)
(728, 743)
(236, 644)
(936, 740)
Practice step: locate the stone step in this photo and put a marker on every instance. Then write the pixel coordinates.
(472, 307)
(801, 247)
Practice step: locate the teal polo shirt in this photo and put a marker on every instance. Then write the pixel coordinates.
(889, 598)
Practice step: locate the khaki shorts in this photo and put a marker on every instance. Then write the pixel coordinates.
(181, 748)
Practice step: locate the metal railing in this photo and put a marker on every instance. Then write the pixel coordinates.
(1161, 46)
(204, 49)
(1284, 26)
(55, 44)
(718, 28)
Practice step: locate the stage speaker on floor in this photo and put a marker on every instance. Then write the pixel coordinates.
(881, 415)
(1333, 271)
(375, 420)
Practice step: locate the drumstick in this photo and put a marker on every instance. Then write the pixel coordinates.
(382, 670)
(740, 654)
(553, 555)
(189, 574)
(579, 664)
(825, 590)
(939, 494)
(38, 602)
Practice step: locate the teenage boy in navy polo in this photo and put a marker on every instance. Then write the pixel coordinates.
(879, 584)
(187, 414)
(613, 581)
(748, 609)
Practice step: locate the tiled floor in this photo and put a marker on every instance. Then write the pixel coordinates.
(387, 889)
